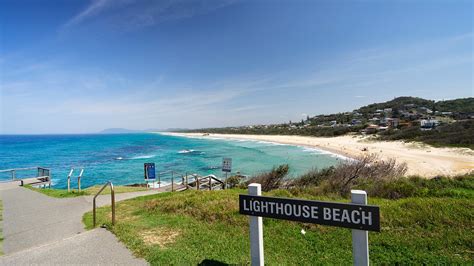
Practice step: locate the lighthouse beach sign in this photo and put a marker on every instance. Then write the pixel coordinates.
(356, 215)
(349, 215)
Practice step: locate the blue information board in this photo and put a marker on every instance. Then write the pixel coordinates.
(149, 171)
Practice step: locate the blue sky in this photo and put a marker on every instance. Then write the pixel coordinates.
(82, 66)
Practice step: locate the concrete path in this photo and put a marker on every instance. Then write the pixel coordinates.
(36, 222)
(98, 247)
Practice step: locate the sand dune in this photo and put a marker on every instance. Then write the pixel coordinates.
(421, 159)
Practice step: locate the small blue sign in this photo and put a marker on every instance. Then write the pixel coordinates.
(149, 171)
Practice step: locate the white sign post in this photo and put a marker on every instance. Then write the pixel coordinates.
(360, 238)
(256, 230)
(357, 216)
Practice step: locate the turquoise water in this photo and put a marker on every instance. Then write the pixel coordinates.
(119, 158)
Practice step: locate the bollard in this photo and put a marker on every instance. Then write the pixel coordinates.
(172, 182)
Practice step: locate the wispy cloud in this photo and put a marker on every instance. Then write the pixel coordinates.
(132, 14)
(93, 9)
(89, 99)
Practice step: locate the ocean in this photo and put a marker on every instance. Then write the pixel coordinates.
(120, 157)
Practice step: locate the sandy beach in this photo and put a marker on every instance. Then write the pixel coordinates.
(421, 159)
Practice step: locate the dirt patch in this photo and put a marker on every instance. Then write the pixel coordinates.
(159, 236)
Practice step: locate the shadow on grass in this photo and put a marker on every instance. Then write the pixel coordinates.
(207, 262)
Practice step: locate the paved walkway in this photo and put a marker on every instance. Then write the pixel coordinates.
(41, 229)
(98, 247)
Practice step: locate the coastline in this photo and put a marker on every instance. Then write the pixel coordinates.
(421, 159)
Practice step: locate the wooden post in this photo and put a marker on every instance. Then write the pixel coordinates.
(112, 197)
(93, 212)
(256, 231)
(360, 238)
(69, 180)
(172, 181)
(225, 181)
(186, 179)
(79, 180)
(197, 183)
(210, 183)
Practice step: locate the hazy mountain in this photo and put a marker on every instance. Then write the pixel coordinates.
(130, 131)
(119, 131)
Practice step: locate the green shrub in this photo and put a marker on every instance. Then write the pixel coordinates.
(313, 177)
(233, 181)
(272, 179)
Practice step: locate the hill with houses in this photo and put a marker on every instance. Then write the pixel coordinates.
(439, 123)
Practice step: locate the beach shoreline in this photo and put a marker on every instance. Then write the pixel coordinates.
(422, 160)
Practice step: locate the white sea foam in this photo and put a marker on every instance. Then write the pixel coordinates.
(54, 181)
(271, 143)
(190, 151)
(185, 151)
(305, 148)
(324, 152)
(142, 157)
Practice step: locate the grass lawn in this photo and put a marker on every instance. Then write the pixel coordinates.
(198, 226)
(62, 193)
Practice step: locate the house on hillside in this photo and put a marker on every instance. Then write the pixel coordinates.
(428, 124)
(390, 122)
(425, 110)
(374, 120)
(371, 129)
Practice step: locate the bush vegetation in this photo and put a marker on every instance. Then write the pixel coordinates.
(423, 221)
(458, 134)
(199, 227)
(380, 178)
(271, 180)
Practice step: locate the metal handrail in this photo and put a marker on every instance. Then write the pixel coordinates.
(112, 197)
(14, 170)
(79, 179)
(173, 174)
(19, 169)
(69, 180)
